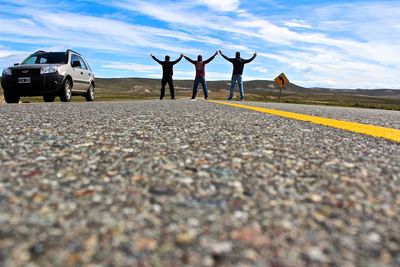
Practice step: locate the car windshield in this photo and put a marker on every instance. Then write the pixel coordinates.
(47, 58)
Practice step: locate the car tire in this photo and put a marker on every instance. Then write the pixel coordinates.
(11, 98)
(89, 96)
(66, 91)
(49, 98)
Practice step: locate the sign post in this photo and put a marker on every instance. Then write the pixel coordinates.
(282, 81)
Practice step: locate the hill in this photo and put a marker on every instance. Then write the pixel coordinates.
(259, 90)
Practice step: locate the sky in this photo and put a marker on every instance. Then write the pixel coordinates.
(334, 44)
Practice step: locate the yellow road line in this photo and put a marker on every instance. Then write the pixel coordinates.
(376, 131)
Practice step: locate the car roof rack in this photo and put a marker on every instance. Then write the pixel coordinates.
(40, 51)
(70, 50)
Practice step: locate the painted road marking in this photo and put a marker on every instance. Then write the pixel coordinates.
(361, 128)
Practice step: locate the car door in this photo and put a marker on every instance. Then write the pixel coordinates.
(85, 74)
(77, 74)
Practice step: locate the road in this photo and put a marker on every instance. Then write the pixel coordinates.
(180, 183)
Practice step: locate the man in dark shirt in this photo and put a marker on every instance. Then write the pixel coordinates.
(200, 66)
(168, 72)
(238, 66)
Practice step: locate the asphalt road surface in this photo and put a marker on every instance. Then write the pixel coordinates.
(180, 183)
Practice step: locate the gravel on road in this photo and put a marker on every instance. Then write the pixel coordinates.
(180, 183)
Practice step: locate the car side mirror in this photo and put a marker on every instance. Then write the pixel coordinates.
(76, 64)
(16, 64)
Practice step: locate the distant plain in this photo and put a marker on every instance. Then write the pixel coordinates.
(108, 89)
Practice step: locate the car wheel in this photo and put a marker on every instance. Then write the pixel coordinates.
(49, 98)
(90, 94)
(11, 98)
(66, 92)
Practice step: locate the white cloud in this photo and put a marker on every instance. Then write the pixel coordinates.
(9, 53)
(91, 32)
(276, 57)
(10, 57)
(131, 67)
(183, 17)
(260, 69)
(222, 5)
(322, 51)
(294, 23)
(177, 12)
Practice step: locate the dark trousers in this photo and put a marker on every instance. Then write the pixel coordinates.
(170, 82)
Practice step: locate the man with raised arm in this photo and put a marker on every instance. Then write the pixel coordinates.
(200, 66)
(168, 72)
(238, 66)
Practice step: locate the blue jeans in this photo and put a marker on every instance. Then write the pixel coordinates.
(201, 80)
(238, 79)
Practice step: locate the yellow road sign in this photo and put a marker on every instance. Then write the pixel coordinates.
(282, 81)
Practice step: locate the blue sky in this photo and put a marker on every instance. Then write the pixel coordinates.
(336, 44)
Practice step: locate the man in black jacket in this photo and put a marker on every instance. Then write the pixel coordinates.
(168, 72)
(238, 66)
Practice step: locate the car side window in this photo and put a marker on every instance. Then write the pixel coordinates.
(83, 64)
(74, 58)
(87, 65)
(43, 60)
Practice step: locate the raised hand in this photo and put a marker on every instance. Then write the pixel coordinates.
(220, 52)
(255, 54)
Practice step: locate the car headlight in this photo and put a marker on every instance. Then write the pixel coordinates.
(48, 69)
(7, 72)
